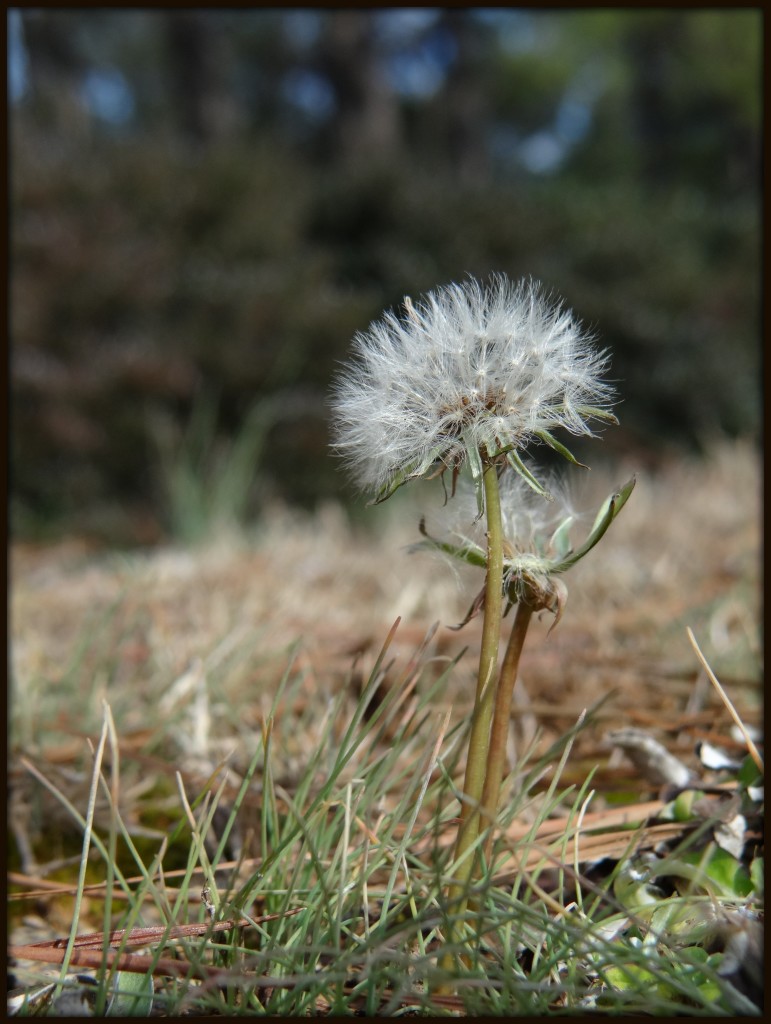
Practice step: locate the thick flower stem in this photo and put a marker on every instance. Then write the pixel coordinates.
(496, 757)
(468, 829)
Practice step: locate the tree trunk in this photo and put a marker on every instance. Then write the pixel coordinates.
(366, 125)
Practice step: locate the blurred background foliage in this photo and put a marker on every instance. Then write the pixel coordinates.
(206, 205)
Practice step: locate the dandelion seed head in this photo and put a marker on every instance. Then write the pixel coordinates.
(463, 366)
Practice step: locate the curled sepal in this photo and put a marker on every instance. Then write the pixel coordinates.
(412, 471)
(608, 512)
(558, 447)
(401, 478)
(559, 600)
(476, 606)
(469, 554)
(518, 466)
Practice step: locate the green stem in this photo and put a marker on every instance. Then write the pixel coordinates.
(499, 731)
(468, 828)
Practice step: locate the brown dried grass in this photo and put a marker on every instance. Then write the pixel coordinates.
(188, 645)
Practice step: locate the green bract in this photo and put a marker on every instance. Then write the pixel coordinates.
(527, 573)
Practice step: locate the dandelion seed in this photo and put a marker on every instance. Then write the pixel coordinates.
(467, 369)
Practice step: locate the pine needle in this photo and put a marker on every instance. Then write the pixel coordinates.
(754, 752)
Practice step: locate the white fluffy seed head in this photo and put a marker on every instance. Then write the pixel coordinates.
(465, 366)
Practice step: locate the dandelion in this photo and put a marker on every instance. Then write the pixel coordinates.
(470, 376)
(466, 370)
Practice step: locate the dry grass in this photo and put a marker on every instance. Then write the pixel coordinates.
(188, 648)
(685, 551)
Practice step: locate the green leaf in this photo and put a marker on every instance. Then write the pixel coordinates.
(729, 874)
(757, 876)
(558, 447)
(748, 774)
(718, 874)
(634, 890)
(683, 804)
(133, 996)
(631, 977)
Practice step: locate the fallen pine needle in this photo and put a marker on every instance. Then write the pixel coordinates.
(754, 752)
